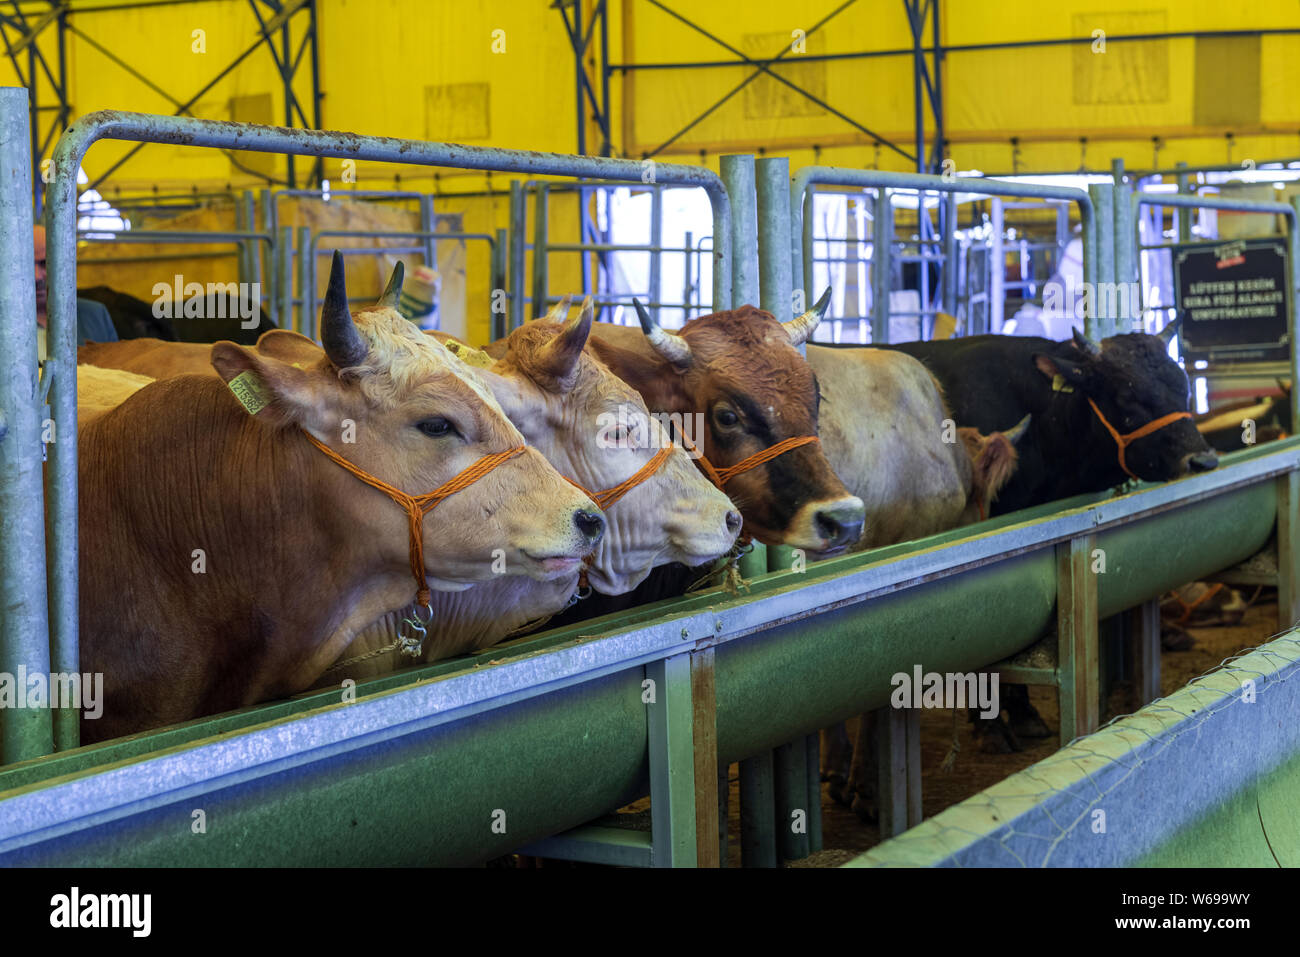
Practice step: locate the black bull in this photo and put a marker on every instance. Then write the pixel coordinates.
(992, 382)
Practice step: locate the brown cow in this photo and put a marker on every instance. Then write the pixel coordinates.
(152, 357)
(251, 558)
(742, 371)
(559, 395)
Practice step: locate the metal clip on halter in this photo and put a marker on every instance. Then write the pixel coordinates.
(409, 644)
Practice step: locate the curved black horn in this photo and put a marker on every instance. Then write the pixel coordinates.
(1086, 345)
(1168, 332)
(343, 343)
(393, 291)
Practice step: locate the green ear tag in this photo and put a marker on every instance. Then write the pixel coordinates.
(1058, 384)
(250, 393)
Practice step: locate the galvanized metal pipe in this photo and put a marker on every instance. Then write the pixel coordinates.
(518, 261)
(655, 291)
(306, 291)
(882, 248)
(742, 231)
(1096, 325)
(832, 176)
(24, 631)
(283, 292)
(497, 289)
(540, 249)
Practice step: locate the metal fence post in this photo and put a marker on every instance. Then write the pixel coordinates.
(882, 238)
(284, 278)
(655, 292)
(1183, 217)
(1128, 318)
(1098, 323)
(518, 215)
(24, 634)
(950, 254)
(738, 176)
(540, 225)
(497, 298)
(306, 293)
(997, 302)
(429, 224)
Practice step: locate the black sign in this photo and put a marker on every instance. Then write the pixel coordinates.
(1232, 297)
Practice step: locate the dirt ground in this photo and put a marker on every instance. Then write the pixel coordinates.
(845, 836)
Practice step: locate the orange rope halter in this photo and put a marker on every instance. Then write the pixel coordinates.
(1123, 441)
(611, 495)
(417, 506)
(721, 477)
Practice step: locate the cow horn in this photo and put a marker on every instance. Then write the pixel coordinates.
(560, 311)
(1168, 332)
(1086, 345)
(800, 329)
(673, 348)
(1017, 431)
(393, 291)
(339, 334)
(559, 357)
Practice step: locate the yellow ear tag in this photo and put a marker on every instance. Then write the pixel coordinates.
(249, 391)
(1058, 384)
(469, 355)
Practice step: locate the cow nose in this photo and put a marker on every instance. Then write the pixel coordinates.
(733, 522)
(1202, 462)
(591, 524)
(840, 524)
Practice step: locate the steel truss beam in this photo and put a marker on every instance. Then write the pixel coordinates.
(45, 74)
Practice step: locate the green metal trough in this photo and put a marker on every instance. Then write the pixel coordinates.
(462, 761)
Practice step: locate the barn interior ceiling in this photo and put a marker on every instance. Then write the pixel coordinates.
(1022, 86)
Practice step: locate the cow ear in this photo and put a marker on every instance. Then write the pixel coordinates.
(276, 392)
(291, 347)
(1052, 366)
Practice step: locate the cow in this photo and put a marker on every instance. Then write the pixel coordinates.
(1102, 412)
(597, 432)
(558, 396)
(742, 372)
(218, 314)
(889, 435)
(261, 517)
(99, 390)
(156, 358)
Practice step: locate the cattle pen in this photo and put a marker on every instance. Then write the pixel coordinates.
(551, 732)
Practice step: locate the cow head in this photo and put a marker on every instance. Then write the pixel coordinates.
(401, 407)
(993, 461)
(596, 429)
(742, 370)
(1133, 382)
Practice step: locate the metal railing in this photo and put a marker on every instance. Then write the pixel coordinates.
(882, 182)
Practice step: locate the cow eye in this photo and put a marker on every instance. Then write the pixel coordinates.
(725, 418)
(436, 428)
